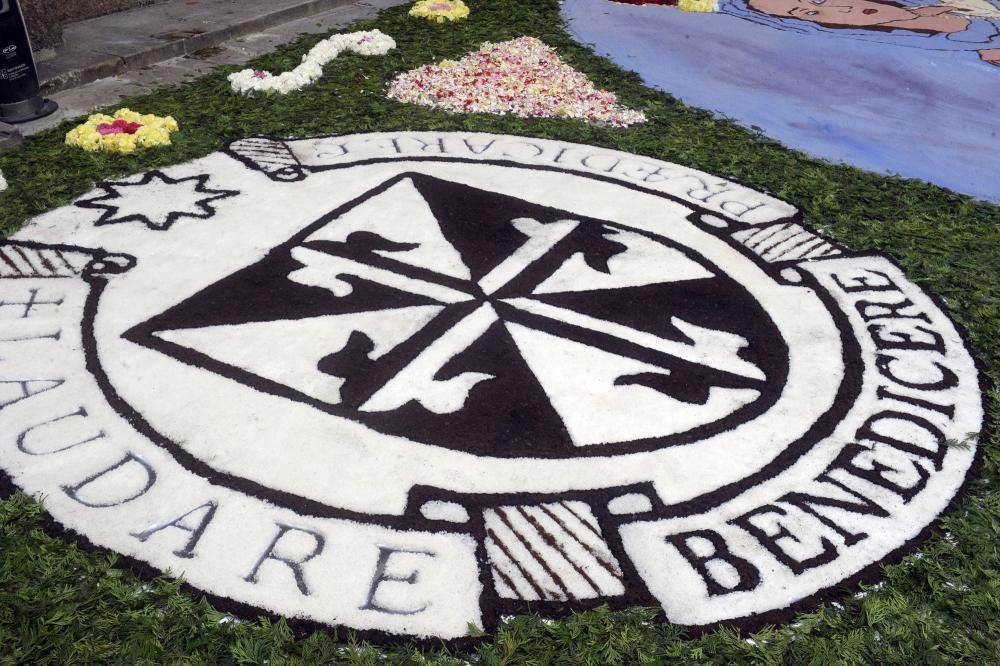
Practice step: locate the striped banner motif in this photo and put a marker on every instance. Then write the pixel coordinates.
(27, 261)
(785, 241)
(274, 158)
(552, 552)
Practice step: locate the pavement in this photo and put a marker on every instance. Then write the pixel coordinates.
(205, 34)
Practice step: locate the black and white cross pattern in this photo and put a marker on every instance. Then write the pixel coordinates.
(468, 319)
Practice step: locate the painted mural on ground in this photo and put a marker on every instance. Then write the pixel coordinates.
(413, 382)
(910, 88)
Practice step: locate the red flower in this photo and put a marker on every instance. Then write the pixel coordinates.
(119, 126)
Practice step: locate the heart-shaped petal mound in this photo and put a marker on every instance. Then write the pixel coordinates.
(524, 77)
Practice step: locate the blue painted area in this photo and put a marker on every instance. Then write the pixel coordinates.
(880, 101)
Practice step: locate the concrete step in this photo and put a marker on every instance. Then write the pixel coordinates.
(105, 92)
(116, 43)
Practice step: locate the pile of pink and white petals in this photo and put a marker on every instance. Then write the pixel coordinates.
(523, 77)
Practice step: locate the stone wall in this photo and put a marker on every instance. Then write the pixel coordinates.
(45, 18)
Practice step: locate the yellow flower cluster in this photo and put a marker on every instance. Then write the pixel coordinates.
(440, 10)
(698, 5)
(152, 131)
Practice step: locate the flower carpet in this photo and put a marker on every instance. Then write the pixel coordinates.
(569, 374)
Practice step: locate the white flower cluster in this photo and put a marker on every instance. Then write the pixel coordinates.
(3, 183)
(370, 42)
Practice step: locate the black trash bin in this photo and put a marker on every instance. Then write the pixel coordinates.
(20, 100)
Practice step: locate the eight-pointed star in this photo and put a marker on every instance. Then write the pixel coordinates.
(156, 200)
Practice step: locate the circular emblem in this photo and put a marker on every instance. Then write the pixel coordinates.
(411, 382)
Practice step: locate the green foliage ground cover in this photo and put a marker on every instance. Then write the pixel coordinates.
(61, 605)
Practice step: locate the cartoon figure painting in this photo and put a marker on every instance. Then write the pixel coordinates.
(683, 5)
(953, 25)
(907, 87)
